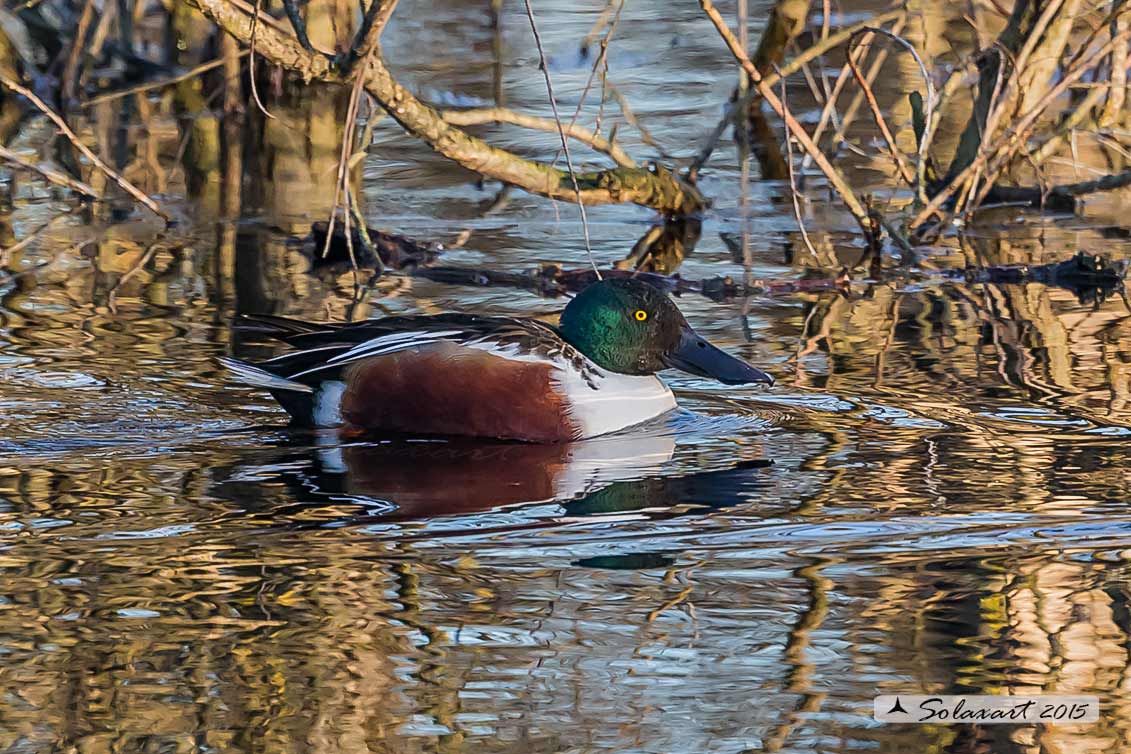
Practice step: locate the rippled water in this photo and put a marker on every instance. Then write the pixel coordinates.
(932, 499)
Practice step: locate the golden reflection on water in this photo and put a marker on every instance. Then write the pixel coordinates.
(933, 499)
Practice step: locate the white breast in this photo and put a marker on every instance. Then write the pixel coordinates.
(619, 401)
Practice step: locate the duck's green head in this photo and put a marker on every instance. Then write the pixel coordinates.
(631, 327)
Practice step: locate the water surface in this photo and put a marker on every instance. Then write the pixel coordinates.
(933, 498)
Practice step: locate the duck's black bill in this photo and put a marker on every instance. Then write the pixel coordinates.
(697, 356)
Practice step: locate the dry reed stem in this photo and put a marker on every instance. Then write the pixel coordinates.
(828, 112)
(930, 101)
(786, 69)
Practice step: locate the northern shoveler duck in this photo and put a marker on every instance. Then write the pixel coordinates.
(500, 377)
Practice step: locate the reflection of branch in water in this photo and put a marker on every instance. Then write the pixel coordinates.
(664, 247)
(496, 204)
(446, 707)
(139, 195)
(138, 266)
(800, 637)
(161, 84)
(551, 280)
(50, 175)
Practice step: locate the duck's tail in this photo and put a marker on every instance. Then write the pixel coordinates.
(249, 374)
(309, 406)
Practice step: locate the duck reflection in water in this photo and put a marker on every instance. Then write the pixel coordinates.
(405, 480)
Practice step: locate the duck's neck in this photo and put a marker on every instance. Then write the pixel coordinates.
(608, 353)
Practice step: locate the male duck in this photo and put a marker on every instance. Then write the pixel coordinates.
(500, 377)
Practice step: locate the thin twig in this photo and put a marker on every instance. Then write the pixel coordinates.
(477, 116)
(793, 192)
(878, 115)
(150, 86)
(371, 46)
(1005, 146)
(646, 136)
(72, 137)
(601, 22)
(51, 176)
(835, 177)
(840, 138)
(921, 165)
(602, 60)
(561, 133)
(787, 69)
(828, 112)
(251, 64)
(341, 182)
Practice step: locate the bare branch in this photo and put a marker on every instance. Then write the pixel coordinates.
(479, 116)
(659, 189)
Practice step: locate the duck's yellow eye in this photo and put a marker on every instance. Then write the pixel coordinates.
(641, 315)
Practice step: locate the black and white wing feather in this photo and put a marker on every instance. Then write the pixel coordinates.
(322, 350)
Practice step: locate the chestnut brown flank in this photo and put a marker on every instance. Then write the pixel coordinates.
(448, 389)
